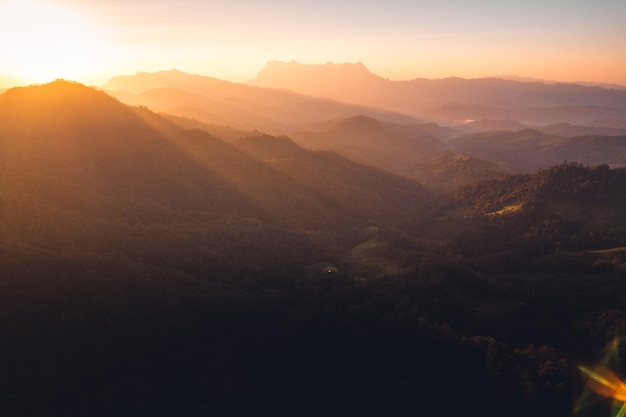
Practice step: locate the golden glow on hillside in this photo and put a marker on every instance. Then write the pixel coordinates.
(43, 41)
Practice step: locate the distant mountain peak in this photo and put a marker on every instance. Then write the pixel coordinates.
(361, 124)
(343, 81)
(143, 81)
(361, 121)
(480, 98)
(276, 64)
(314, 74)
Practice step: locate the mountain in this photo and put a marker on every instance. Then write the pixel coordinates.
(238, 105)
(153, 269)
(382, 138)
(349, 83)
(331, 177)
(515, 148)
(531, 149)
(74, 146)
(539, 80)
(587, 150)
(569, 130)
(390, 146)
(564, 220)
(354, 84)
(448, 170)
(610, 123)
(488, 124)
(579, 114)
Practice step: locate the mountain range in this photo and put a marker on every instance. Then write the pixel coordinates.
(394, 141)
(447, 99)
(220, 102)
(175, 244)
(59, 131)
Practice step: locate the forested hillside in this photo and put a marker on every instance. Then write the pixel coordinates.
(147, 269)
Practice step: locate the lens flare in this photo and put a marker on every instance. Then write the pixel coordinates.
(604, 382)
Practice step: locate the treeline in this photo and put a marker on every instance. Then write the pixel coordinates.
(104, 335)
(568, 207)
(569, 180)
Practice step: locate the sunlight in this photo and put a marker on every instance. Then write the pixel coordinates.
(42, 41)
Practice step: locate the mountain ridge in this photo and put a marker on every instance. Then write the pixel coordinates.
(53, 133)
(424, 96)
(240, 105)
(390, 146)
(151, 269)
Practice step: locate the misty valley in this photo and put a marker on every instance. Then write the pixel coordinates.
(317, 242)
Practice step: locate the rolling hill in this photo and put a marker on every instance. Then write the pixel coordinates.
(580, 204)
(568, 130)
(390, 146)
(531, 149)
(539, 115)
(391, 141)
(83, 173)
(485, 125)
(448, 170)
(152, 269)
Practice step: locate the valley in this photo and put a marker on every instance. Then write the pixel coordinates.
(174, 244)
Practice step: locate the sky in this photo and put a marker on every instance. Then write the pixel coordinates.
(92, 40)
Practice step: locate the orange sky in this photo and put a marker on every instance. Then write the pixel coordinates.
(566, 40)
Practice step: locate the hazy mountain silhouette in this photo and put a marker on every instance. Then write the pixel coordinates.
(607, 122)
(512, 99)
(388, 140)
(560, 129)
(489, 124)
(540, 80)
(327, 175)
(582, 114)
(446, 171)
(516, 148)
(416, 151)
(588, 150)
(391, 146)
(569, 130)
(149, 269)
(349, 83)
(219, 102)
(530, 149)
(67, 145)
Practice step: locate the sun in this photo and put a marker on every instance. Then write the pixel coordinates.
(41, 41)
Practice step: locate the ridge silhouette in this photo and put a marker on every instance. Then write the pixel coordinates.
(79, 144)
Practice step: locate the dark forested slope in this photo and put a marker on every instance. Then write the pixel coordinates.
(149, 270)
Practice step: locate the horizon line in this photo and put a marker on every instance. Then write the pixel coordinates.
(8, 81)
